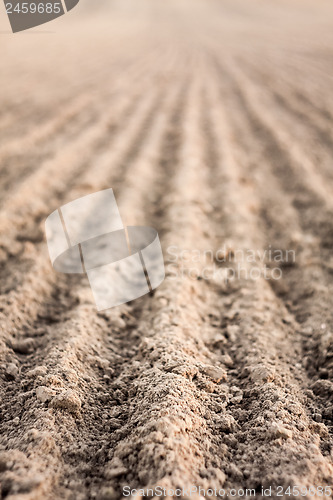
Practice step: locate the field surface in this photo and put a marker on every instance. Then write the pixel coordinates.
(212, 122)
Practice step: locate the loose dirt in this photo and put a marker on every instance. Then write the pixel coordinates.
(212, 122)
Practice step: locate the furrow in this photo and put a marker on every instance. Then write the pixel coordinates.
(40, 279)
(32, 151)
(43, 133)
(171, 372)
(18, 162)
(257, 333)
(36, 195)
(293, 168)
(307, 95)
(92, 75)
(306, 284)
(311, 133)
(21, 252)
(83, 351)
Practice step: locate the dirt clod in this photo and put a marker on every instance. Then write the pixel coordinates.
(44, 394)
(24, 346)
(67, 400)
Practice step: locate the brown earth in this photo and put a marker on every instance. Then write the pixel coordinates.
(212, 122)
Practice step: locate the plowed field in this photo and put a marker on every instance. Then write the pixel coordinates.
(212, 122)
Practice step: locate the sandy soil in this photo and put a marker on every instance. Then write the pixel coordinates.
(212, 122)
